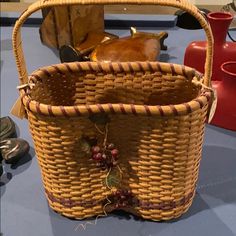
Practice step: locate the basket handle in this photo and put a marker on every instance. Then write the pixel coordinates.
(182, 4)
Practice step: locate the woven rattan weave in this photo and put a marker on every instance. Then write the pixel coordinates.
(153, 112)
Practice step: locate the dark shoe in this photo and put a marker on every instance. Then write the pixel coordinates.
(13, 149)
(7, 128)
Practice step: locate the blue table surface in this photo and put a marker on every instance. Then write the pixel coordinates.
(24, 209)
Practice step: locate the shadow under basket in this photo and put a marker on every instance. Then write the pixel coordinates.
(154, 114)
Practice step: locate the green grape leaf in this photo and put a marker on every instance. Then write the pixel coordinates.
(114, 179)
(84, 147)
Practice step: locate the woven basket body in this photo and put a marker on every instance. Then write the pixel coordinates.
(155, 115)
(159, 154)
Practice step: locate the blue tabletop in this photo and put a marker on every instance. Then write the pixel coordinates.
(24, 209)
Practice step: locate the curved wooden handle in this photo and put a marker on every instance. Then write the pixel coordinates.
(182, 4)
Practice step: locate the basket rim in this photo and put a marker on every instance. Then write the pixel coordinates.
(117, 108)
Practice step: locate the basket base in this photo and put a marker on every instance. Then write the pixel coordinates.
(97, 212)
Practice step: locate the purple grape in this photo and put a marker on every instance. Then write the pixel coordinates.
(114, 153)
(95, 149)
(97, 156)
(118, 192)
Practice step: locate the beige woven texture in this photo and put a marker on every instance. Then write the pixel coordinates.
(157, 116)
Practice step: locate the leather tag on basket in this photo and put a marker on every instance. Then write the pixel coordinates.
(69, 25)
(18, 109)
(212, 106)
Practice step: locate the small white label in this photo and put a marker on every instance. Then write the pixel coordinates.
(213, 106)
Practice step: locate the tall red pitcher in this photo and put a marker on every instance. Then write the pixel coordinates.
(225, 115)
(224, 68)
(195, 53)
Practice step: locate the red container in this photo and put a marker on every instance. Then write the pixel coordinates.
(195, 53)
(225, 115)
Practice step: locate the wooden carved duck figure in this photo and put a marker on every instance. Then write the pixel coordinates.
(104, 47)
(140, 46)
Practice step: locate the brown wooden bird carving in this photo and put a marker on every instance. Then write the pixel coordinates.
(140, 46)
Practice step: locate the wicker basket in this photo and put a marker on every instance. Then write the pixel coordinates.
(154, 113)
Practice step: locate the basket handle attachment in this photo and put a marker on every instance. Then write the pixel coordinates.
(182, 4)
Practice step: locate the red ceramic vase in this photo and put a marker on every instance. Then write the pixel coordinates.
(195, 53)
(225, 115)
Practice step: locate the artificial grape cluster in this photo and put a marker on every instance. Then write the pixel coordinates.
(106, 157)
(122, 198)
